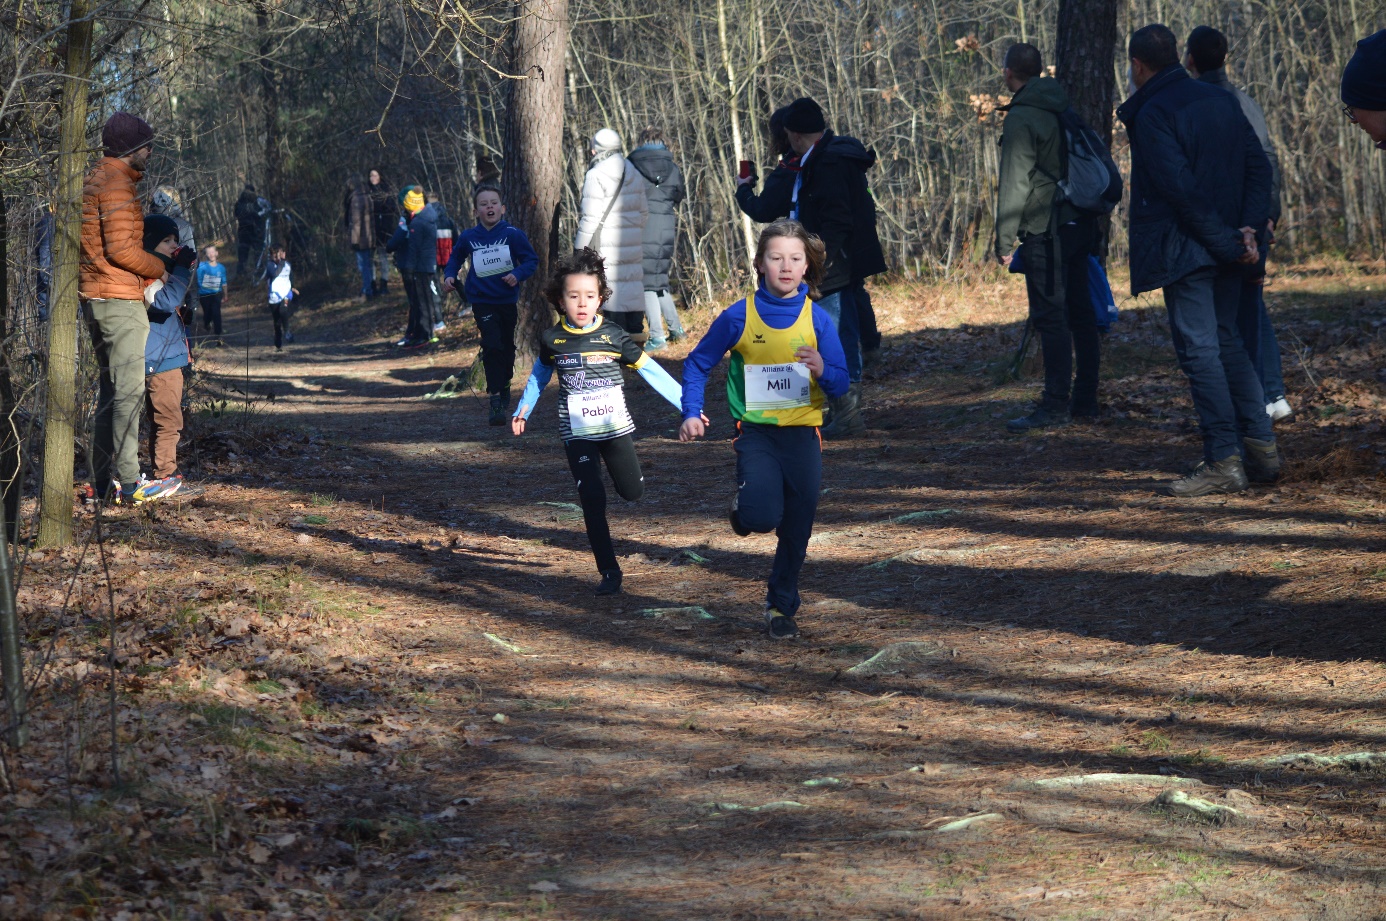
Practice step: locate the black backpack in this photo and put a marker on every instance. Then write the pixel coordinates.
(1090, 179)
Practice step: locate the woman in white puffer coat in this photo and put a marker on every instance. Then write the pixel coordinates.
(614, 209)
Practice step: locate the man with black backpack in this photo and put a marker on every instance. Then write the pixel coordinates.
(1056, 236)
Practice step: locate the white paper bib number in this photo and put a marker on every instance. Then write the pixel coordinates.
(597, 412)
(770, 387)
(492, 260)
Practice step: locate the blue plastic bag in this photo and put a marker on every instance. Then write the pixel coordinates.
(1103, 303)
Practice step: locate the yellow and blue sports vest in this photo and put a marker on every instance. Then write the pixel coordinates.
(766, 383)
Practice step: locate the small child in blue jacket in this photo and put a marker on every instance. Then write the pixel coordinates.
(165, 356)
(501, 257)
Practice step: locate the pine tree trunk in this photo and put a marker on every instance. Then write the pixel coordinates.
(1085, 58)
(533, 168)
(55, 500)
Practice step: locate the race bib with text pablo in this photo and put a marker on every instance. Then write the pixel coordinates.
(598, 412)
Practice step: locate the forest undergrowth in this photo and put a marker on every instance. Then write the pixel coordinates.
(364, 675)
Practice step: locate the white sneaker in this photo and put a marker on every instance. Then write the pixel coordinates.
(1280, 411)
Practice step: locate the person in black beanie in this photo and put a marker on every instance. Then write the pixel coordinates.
(829, 196)
(1364, 88)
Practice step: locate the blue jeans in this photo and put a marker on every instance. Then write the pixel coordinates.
(1227, 393)
(1258, 336)
(363, 265)
(842, 307)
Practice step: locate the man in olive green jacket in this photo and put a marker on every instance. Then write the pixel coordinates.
(1054, 242)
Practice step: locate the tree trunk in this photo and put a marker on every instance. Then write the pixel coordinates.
(533, 167)
(10, 485)
(269, 98)
(1085, 57)
(55, 501)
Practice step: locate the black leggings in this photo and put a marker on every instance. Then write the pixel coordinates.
(280, 312)
(211, 312)
(584, 459)
(496, 323)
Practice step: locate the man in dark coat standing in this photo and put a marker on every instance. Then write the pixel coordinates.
(1205, 58)
(250, 213)
(1200, 199)
(663, 191)
(831, 199)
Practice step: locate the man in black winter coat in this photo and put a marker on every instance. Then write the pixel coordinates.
(663, 191)
(1200, 198)
(829, 196)
(250, 213)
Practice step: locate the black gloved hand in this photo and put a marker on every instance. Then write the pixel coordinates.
(156, 315)
(166, 260)
(184, 256)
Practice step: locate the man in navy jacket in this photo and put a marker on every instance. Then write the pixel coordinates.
(1200, 199)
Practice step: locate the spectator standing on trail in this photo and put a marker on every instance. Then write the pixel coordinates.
(775, 198)
(415, 245)
(1205, 58)
(830, 198)
(1055, 238)
(1363, 88)
(446, 239)
(211, 289)
(664, 191)
(615, 211)
(1200, 198)
(500, 257)
(166, 355)
(113, 274)
(250, 230)
(359, 220)
(385, 215)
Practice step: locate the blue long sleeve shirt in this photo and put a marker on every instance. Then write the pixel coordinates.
(494, 253)
(778, 313)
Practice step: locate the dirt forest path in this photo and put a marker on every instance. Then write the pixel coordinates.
(1027, 687)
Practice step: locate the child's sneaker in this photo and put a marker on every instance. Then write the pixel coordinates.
(440, 327)
(153, 490)
(499, 410)
(780, 626)
(611, 583)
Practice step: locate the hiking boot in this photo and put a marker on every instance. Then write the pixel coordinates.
(498, 409)
(870, 359)
(1084, 412)
(780, 626)
(848, 420)
(152, 490)
(737, 527)
(1280, 411)
(655, 345)
(1263, 460)
(1224, 476)
(1040, 417)
(611, 583)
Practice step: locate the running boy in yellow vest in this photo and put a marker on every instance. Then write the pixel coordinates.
(786, 360)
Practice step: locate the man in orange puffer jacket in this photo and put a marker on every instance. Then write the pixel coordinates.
(114, 271)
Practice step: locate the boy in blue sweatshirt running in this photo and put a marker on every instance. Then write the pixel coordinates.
(501, 257)
(786, 361)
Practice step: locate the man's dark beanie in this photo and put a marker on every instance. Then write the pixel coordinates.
(1364, 78)
(803, 116)
(156, 228)
(125, 133)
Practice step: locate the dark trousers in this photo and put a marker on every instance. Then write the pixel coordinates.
(418, 289)
(1227, 393)
(1056, 280)
(632, 321)
(585, 460)
(866, 318)
(1254, 324)
(211, 312)
(280, 313)
(496, 323)
(778, 472)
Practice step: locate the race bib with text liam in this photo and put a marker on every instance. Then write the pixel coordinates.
(595, 413)
(492, 260)
(771, 387)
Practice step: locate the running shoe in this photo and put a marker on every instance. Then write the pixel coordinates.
(780, 626)
(153, 490)
(737, 527)
(611, 583)
(440, 327)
